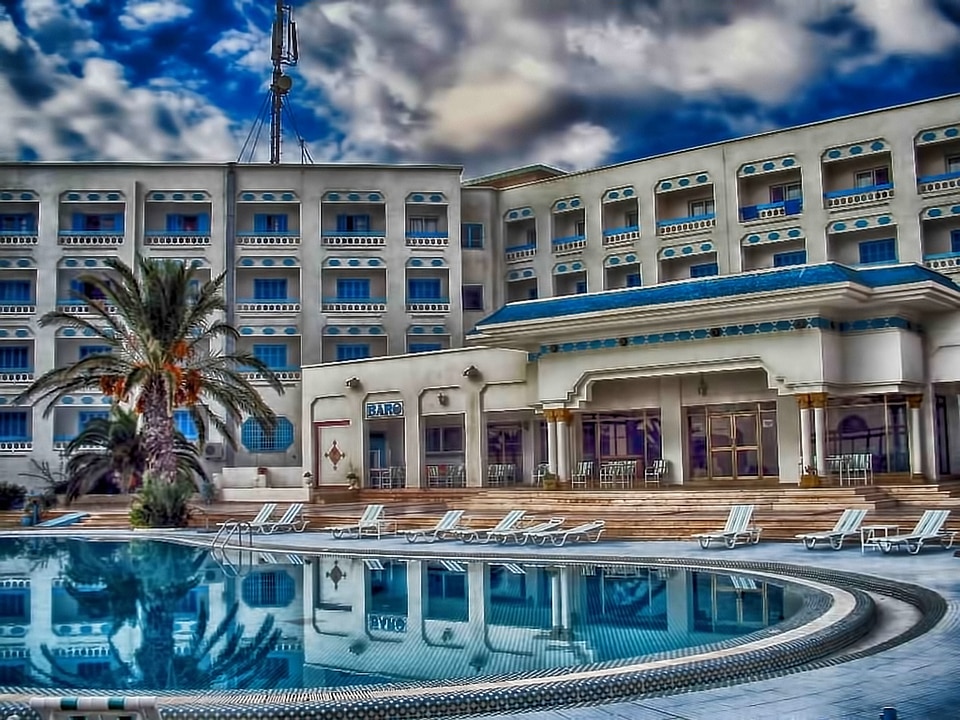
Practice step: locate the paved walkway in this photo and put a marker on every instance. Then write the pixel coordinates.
(919, 678)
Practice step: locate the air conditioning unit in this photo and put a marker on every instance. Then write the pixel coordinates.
(213, 451)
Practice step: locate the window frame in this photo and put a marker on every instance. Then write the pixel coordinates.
(872, 173)
(465, 292)
(10, 354)
(253, 436)
(184, 422)
(263, 351)
(423, 224)
(799, 257)
(353, 288)
(868, 246)
(8, 295)
(709, 207)
(699, 270)
(422, 347)
(353, 222)
(422, 283)
(788, 191)
(17, 222)
(18, 417)
(450, 437)
(341, 349)
(470, 238)
(264, 283)
(951, 164)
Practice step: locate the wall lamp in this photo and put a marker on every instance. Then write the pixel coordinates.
(471, 372)
(442, 398)
(352, 383)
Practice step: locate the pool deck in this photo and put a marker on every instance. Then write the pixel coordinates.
(918, 678)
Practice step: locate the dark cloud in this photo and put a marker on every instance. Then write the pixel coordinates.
(29, 82)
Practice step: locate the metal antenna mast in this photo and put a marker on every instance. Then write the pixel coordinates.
(284, 51)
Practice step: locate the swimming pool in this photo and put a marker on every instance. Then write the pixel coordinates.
(405, 633)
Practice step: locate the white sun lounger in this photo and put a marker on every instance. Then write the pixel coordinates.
(520, 534)
(483, 535)
(848, 524)
(290, 521)
(370, 523)
(447, 526)
(737, 531)
(585, 532)
(928, 529)
(259, 519)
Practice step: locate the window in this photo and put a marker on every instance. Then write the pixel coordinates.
(353, 223)
(423, 289)
(13, 425)
(581, 287)
(270, 289)
(704, 270)
(353, 289)
(85, 417)
(782, 193)
(870, 178)
(98, 222)
(953, 164)
(632, 219)
(796, 257)
(269, 223)
(532, 236)
(352, 351)
(473, 297)
(700, 208)
(417, 225)
(580, 228)
(258, 440)
(878, 251)
(184, 422)
(274, 588)
(273, 355)
(444, 439)
(17, 223)
(199, 222)
(88, 350)
(16, 291)
(533, 293)
(471, 235)
(15, 605)
(83, 289)
(955, 241)
(419, 347)
(15, 357)
(633, 280)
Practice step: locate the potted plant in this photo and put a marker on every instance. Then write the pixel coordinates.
(550, 481)
(261, 477)
(810, 477)
(353, 478)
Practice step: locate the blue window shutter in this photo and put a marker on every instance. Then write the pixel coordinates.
(76, 287)
(118, 222)
(281, 221)
(955, 241)
(363, 222)
(174, 222)
(259, 222)
(203, 222)
(341, 223)
(77, 221)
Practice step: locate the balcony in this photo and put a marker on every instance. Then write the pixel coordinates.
(16, 437)
(176, 238)
(12, 446)
(18, 292)
(19, 211)
(269, 239)
(943, 262)
(430, 239)
(621, 235)
(769, 211)
(259, 306)
(90, 238)
(521, 252)
(678, 226)
(17, 307)
(428, 306)
(355, 238)
(283, 374)
(569, 244)
(91, 219)
(944, 182)
(362, 306)
(16, 376)
(853, 197)
(18, 237)
(75, 306)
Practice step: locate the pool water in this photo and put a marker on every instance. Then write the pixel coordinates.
(150, 615)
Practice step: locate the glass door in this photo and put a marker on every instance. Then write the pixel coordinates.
(734, 446)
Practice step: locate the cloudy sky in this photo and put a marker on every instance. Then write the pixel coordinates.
(490, 84)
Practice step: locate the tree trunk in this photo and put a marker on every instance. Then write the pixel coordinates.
(158, 434)
(156, 651)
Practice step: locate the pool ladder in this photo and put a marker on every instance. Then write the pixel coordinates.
(218, 547)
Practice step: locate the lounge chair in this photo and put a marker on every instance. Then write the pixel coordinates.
(483, 535)
(585, 532)
(928, 529)
(520, 534)
(289, 522)
(445, 527)
(63, 520)
(848, 524)
(370, 523)
(737, 531)
(259, 519)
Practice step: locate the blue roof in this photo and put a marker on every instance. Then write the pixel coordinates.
(792, 278)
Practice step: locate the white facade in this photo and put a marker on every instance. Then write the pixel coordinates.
(434, 257)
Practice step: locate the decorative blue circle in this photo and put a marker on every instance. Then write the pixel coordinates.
(269, 331)
(861, 223)
(418, 330)
(885, 220)
(951, 132)
(439, 330)
(373, 197)
(666, 185)
(788, 162)
(248, 197)
(375, 330)
(76, 196)
(287, 197)
(613, 195)
(687, 249)
(7, 196)
(877, 146)
(93, 197)
(179, 196)
(90, 262)
(4, 263)
(702, 178)
(706, 247)
(753, 238)
(437, 262)
(749, 170)
(526, 212)
(628, 192)
(513, 276)
(69, 332)
(289, 331)
(333, 196)
(955, 210)
(856, 150)
(22, 332)
(246, 331)
(269, 196)
(267, 262)
(669, 252)
(614, 261)
(70, 262)
(198, 196)
(577, 266)
(373, 262)
(794, 232)
(774, 236)
(512, 214)
(630, 258)
(333, 330)
(928, 136)
(333, 262)
(528, 273)
(575, 202)
(417, 198)
(768, 166)
(353, 197)
(353, 262)
(436, 198)
(561, 268)
(3, 333)
(353, 331)
(561, 206)
(86, 400)
(839, 226)
(683, 182)
(834, 154)
(289, 262)
(106, 400)
(247, 262)
(416, 262)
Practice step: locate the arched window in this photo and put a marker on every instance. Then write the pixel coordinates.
(257, 439)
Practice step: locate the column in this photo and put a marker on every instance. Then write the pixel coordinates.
(806, 452)
(915, 402)
(556, 602)
(564, 573)
(552, 452)
(564, 420)
(819, 403)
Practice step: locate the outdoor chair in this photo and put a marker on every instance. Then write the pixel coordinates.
(520, 534)
(290, 521)
(445, 527)
(848, 524)
(928, 529)
(370, 523)
(585, 532)
(737, 531)
(259, 519)
(484, 535)
(655, 472)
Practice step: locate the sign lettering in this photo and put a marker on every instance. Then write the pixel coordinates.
(384, 409)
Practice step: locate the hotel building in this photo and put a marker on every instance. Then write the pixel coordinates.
(749, 311)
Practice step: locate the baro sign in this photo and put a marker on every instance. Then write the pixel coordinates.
(384, 409)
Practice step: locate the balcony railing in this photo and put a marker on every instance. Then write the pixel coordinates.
(851, 197)
(428, 305)
(944, 262)
(694, 223)
(939, 183)
(568, 244)
(268, 305)
(78, 307)
(16, 375)
(619, 235)
(354, 238)
(90, 238)
(60, 443)
(521, 252)
(284, 374)
(354, 305)
(428, 239)
(268, 239)
(176, 238)
(767, 211)
(18, 238)
(15, 446)
(18, 307)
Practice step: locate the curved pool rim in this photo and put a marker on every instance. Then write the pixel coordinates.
(802, 642)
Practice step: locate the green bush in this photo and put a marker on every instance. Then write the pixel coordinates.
(11, 495)
(162, 505)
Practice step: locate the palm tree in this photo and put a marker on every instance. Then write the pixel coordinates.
(113, 448)
(160, 329)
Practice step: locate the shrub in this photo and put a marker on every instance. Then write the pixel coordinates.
(11, 495)
(161, 504)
